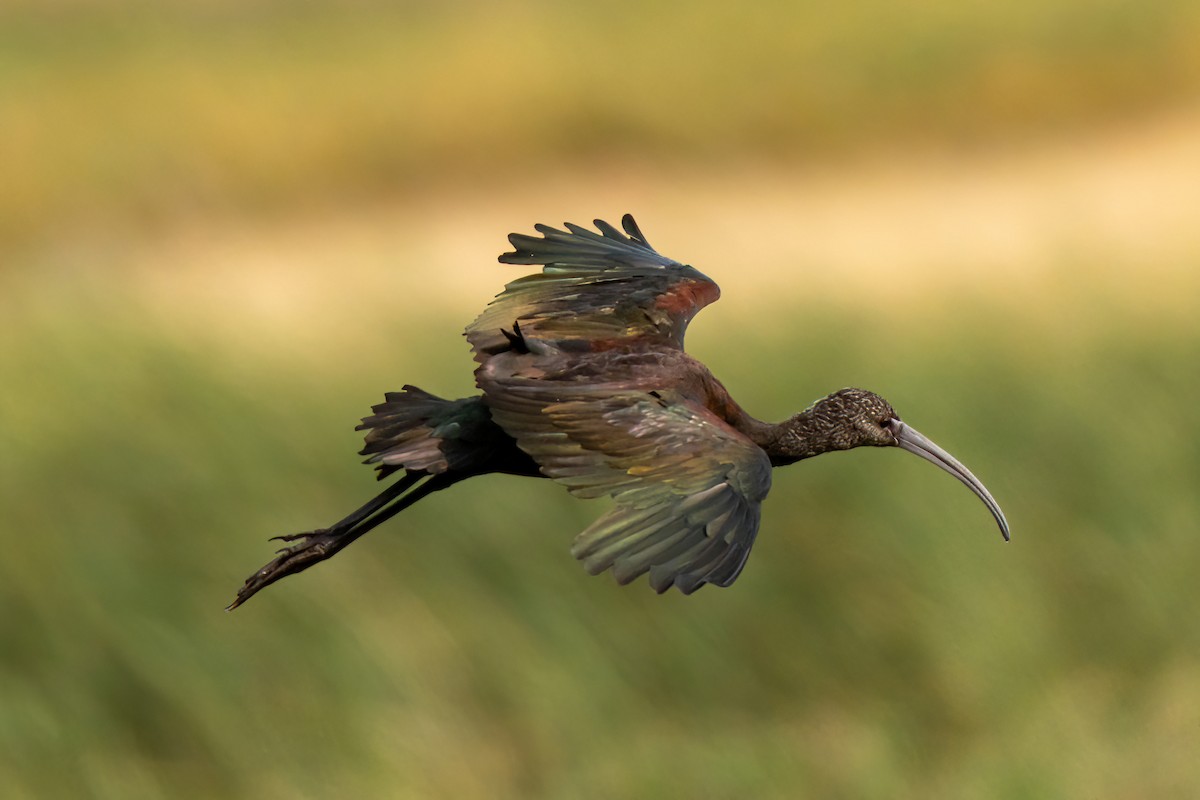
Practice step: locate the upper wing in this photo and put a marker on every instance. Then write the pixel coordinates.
(597, 291)
(688, 487)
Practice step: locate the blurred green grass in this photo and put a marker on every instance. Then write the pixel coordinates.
(882, 642)
(132, 113)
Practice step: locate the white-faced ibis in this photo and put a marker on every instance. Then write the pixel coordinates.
(584, 380)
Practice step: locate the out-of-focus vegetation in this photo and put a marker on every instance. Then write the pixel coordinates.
(165, 407)
(883, 642)
(133, 112)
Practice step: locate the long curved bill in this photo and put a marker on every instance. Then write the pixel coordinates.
(908, 438)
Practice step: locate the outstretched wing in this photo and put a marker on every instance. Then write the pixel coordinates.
(688, 487)
(598, 291)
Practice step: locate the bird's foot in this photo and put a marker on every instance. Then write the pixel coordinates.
(313, 547)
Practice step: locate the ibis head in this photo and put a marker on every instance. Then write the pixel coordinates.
(855, 418)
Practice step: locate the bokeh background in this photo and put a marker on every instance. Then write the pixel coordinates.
(227, 228)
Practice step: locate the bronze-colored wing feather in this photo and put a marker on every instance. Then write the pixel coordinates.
(597, 291)
(688, 487)
(583, 366)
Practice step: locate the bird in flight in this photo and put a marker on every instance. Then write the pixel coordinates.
(584, 380)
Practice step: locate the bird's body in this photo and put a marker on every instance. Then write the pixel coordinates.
(585, 380)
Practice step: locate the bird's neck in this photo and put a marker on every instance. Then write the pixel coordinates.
(811, 432)
(787, 442)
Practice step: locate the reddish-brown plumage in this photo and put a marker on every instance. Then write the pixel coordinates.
(687, 297)
(607, 345)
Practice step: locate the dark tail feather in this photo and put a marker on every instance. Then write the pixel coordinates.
(417, 431)
(318, 545)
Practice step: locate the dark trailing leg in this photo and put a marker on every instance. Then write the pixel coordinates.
(316, 546)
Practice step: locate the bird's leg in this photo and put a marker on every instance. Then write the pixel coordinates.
(379, 501)
(318, 545)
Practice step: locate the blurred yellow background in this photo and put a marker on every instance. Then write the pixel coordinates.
(226, 229)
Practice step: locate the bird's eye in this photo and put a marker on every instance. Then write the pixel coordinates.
(886, 422)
